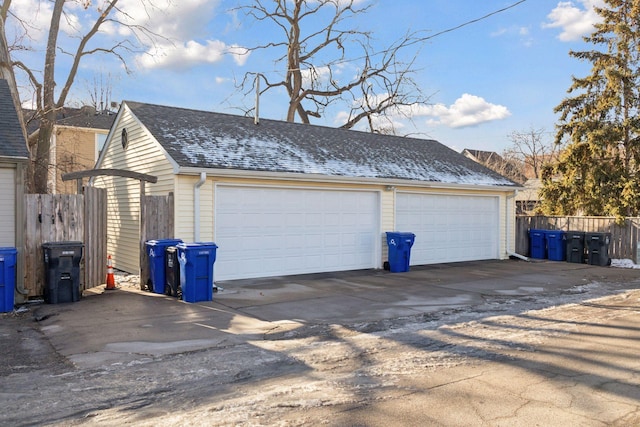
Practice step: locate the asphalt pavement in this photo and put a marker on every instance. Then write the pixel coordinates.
(131, 321)
(543, 363)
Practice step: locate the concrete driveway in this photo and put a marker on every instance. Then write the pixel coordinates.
(482, 343)
(118, 326)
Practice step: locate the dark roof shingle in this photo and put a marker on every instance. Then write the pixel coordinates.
(221, 141)
(12, 142)
(85, 117)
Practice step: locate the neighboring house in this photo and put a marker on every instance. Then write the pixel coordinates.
(284, 198)
(495, 162)
(78, 137)
(528, 199)
(13, 164)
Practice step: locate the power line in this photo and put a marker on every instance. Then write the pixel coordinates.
(439, 33)
(457, 27)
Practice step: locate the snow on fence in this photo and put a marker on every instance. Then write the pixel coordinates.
(624, 236)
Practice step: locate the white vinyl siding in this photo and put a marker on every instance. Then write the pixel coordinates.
(266, 231)
(388, 199)
(450, 228)
(143, 155)
(7, 207)
(185, 209)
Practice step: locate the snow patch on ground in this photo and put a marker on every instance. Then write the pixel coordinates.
(624, 263)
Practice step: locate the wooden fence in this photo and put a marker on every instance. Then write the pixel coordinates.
(156, 222)
(624, 236)
(58, 218)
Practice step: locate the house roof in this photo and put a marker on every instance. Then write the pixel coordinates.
(209, 140)
(12, 142)
(481, 156)
(85, 117)
(493, 160)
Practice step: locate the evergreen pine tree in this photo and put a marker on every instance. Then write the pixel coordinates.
(597, 172)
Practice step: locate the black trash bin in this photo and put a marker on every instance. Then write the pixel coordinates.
(62, 271)
(172, 273)
(575, 246)
(597, 245)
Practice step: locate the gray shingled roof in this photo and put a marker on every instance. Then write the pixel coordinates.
(12, 143)
(211, 140)
(85, 117)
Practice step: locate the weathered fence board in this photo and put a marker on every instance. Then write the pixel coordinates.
(624, 236)
(95, 236)
(59, 218)
(156, 222)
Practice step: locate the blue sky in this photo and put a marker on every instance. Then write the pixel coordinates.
(485, 80)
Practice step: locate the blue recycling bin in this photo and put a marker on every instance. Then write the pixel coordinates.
(156, 251)
(196, 270)
(556, 244)
(537, 244)
(7, 278)
(399, 250)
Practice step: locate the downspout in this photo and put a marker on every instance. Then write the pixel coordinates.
(508, 225)
(196, 206)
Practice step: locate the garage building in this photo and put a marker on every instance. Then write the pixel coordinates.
(284, 198)
(13, 166)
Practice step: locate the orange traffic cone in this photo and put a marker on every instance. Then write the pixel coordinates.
(111, 281)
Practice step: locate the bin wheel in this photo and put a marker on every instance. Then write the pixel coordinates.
(168, 291)
(148, 286)
(386, 266)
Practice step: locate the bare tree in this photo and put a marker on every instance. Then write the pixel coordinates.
(532, 149)
(100, 92)
(313, 56)
(50, 96)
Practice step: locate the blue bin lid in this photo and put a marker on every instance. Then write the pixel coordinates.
(533, 230)
(165, 242)
(400, 233)
(197, 245)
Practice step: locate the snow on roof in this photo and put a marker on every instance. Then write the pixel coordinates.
(221, 141)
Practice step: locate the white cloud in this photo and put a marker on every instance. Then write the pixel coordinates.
(36, 18)
(183, 56)
(313, 77)
(182, 20)
(574, 21)
(184, 24)
(240, 54)
(468, 110)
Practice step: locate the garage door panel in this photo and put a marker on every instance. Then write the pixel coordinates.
(293, 231)
(7, 207)
(449, 228)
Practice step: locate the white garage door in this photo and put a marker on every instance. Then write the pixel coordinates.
(7, 207)
(264, 232)
(449, 228)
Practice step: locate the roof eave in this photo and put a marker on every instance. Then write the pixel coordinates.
(290, 176)
(84, 128)
(13, 159)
